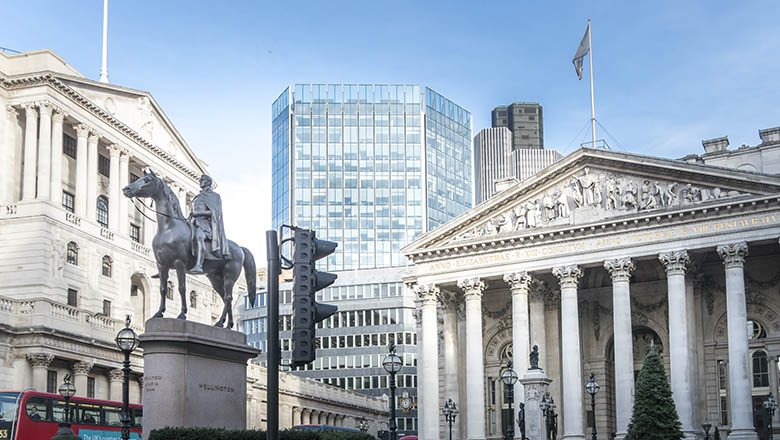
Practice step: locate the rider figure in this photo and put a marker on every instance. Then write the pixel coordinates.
(206, 217)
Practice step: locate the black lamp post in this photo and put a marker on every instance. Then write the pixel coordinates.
(392, 364)
(547, 405)
(593, 387)
(509, 377)
(127, 340)
(66, 390)
(770, 405)
(450, 411)
(706, 427)
(363, 425)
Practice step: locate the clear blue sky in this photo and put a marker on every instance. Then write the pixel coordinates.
(668, 73)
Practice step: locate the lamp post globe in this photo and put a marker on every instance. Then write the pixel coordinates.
(127, 341)
(66, 390)
(450, 411)
(770, 405)
(593, 388)
(509, 377)
(392, 363)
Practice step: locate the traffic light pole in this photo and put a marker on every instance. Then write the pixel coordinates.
(274, 271)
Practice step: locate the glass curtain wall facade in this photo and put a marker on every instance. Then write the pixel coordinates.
(370, 167)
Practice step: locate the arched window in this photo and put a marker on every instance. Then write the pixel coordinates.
(760, 369)
(73, 253)
(194, 299)
(755, 330)
(106, 269)
(102, 211)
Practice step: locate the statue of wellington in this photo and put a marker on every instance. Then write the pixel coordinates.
(206, 217)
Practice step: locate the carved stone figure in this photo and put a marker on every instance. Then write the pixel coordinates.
(561, 206)
(533, 358)
(519, 213)
(206, 217)
(630, 196)
(598, 195)
(549, 212)
(576, 191)
(613, 193)
(490, 228)
(671, 195)
(531, 214)
(588, 183)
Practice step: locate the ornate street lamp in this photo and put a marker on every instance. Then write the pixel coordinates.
(450, 411)
(547, 405)
(127, 341)
(706, 427)
(509, 377)
(593, 387)
(66, 390)
(363, 425)
(392, 364)
(770, 405)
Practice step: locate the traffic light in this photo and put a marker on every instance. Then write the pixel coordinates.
(307, 281)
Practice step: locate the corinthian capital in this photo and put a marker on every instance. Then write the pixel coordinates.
(472, 287)
(733, 254)
(58, 115)
(675, 262)
(30, 109)
(519, 282)
(428, 293)
(45, 108)
(568, 276)
(40, 359)
(82, 368)
(114, 150)
(619, 268)
(116, 375)
(82, 130)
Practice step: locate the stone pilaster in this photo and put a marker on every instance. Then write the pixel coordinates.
(81, 371)
(113, 188)
(124, 202)
(475, 367)
(429, 377)
(519, 284)
(44, 152)
(451, 350)
(115, 378)
(9, 163)
(40, 364)
(620, 270)
(82, 133)
(740, 398)
(569, 278)
(92, 176)
(536, 321)
(56, 157)
(29, 172)
(676, 263)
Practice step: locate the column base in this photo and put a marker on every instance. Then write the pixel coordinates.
(573, 437)
(743, 434)
(620, 435)
(689, 435)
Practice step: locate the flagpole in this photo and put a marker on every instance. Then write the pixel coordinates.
(592, 105)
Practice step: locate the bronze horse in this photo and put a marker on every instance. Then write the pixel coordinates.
(172, 247)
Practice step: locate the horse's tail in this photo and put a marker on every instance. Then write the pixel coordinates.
(250, 272)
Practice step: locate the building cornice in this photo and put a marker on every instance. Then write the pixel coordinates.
(48, 78)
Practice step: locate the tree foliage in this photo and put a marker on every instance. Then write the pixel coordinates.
(655, 415)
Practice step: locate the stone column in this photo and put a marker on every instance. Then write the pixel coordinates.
(30, 152)
(569, 278)
(740, 399)
(621, 269)
(475, 366)
(92, 176)
(124, 174)
(44, 152)
(428, 374)
(40, 364)
(451, 376)
(773, 386)
(8, 163)
(536, 321)
(56, 157)
(82, 132)
(305, 416)
(113, 188)
(115, 377)
(680, 363)
(519, 284)
(81, 371)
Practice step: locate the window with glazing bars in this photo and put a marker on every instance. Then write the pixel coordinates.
(104, 165)
(68, 146)
(135, 233)
(68, 201)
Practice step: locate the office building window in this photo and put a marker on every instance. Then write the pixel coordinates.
(91, 387)
(102, 211)
(107, 264)
(760, 369)
(104, 165)
(51, 381)
(73, 253)
(194, 299)
(68, 146)
(73, 297)
(135, 233)
(68, 201)
(107, 308)
(133, 177)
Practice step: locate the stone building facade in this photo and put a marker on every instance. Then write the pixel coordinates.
(75, 254)
(592, 260)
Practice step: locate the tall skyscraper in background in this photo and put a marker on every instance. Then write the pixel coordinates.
(524, 120)
(371, 167)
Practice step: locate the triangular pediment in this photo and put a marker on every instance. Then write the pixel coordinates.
(139, 111)
(591, 186)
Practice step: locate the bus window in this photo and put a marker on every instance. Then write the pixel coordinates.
(58, 411)
(138, 417)
(87, 414)
(36, 408)
(8, 406)
(113, 415)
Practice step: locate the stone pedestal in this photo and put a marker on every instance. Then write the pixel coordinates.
(194, 375)
(535, 384)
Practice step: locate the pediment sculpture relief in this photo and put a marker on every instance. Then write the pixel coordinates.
(594, 195)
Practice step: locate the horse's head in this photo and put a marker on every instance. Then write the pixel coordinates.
(146, 186)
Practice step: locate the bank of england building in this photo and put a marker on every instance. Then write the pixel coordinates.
(593, 260)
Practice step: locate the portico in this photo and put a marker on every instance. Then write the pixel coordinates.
(626, 251)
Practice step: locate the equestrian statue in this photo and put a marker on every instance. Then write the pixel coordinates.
(195, 245)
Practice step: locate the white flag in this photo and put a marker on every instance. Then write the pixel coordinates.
(582, 51)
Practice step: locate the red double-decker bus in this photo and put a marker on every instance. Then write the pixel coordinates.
(30, 415)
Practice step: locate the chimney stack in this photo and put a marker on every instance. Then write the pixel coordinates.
(769, 135)
(715, 145)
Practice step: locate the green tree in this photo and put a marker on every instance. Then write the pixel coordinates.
(655, 416)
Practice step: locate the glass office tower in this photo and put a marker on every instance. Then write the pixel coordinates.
(371, 167)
